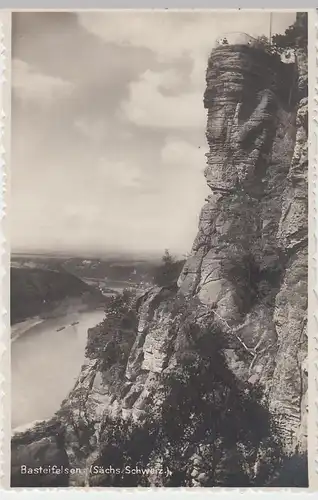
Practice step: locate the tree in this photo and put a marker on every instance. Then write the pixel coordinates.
(168, 271)
(119, 322)
(295, 37)
(206, 408)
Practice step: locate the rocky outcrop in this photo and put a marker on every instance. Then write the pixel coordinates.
(247, 269)
(249, 260)
(288, 393)
(240, 303)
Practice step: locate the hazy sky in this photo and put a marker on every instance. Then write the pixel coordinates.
(108, 126)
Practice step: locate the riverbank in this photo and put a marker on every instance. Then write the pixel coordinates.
(67, 307)
(46, 358)
(20, 328)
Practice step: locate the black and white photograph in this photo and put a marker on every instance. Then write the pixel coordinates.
(159, 249)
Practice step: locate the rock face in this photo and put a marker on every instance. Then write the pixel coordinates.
(245, 279)
(249, 260)
(289, 389)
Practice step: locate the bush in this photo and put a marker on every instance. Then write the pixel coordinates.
(124, 444)
(262, 42)
(205, 408)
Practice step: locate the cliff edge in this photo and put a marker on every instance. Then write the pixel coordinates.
(209, 377)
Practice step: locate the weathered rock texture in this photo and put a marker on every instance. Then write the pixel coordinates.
(249, 260)
(246, 274)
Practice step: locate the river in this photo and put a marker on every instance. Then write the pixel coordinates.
(45, 364)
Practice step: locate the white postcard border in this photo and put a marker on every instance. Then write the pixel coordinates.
(5, 428)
